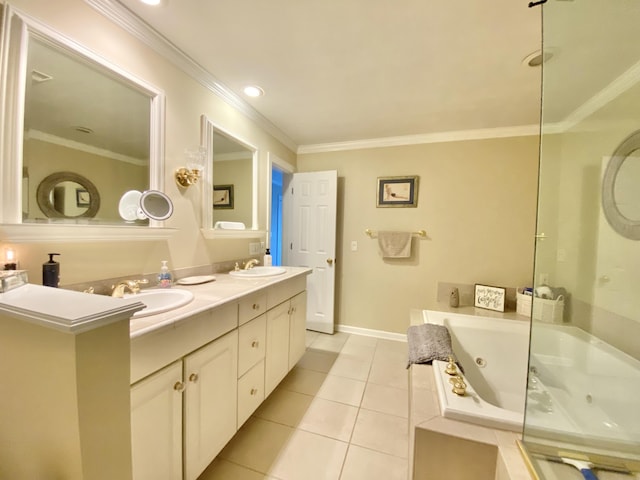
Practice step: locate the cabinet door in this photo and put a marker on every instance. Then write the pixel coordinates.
(277, 352)
(250, 392)
(251, 343)
(156, 425)
(297, 328)
(211, 377)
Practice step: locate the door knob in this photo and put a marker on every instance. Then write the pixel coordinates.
(330, 261)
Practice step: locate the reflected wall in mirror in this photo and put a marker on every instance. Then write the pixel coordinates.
(72, 111)
(233, 168)
(79, 119)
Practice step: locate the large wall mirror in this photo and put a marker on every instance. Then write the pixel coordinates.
(230, 196)
(79, 132)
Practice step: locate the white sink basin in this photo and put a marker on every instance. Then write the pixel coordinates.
(161, 300)
(258, 272)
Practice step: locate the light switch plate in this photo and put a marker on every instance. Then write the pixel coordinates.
(254, 248)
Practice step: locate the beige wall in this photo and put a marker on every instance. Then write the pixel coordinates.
(477, 202)
(186, 101)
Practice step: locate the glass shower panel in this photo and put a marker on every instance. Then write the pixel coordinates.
(583, 396)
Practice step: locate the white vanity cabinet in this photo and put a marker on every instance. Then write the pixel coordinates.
(251, 353)
(156, 425)
(197, 396)
(285, 339)
(297, 328)
(277, 360)
(196, 382)
(210, 402)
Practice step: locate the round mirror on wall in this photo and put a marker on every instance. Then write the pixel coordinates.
(67, 195)
(620, 199)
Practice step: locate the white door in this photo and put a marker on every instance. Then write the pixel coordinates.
(312, 242)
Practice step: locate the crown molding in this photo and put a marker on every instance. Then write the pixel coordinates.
(83, 147)
(125, 18)
(609, 93)
(455, 136)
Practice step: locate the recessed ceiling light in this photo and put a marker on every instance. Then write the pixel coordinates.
(151, 2)
(253, 91)
(537, 58)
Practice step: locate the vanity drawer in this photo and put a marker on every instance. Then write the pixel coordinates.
(251, 343)
(250, 392)
(251, 307)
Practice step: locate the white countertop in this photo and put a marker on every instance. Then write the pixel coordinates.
(65, 310)
(224, 289)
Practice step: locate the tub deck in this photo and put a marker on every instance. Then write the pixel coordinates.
(442, 447)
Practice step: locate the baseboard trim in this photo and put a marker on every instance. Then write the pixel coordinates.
(368, 332)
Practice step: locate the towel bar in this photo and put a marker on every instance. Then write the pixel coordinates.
(419, 233)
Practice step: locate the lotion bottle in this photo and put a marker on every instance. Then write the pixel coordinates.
(268, 260)
(51, 272)
(164, 277)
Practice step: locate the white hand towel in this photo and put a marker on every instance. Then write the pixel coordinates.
(395, 244)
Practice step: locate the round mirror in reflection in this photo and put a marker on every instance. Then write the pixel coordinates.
(68, 195)
(620, 199)
(625, 187)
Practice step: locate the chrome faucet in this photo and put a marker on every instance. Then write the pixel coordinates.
(132, 285)
(250, 264)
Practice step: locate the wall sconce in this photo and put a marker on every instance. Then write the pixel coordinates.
(10, 261)
(189, 175)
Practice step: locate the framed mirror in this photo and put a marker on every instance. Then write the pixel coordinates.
(230, 196)
(70, 111)
(620, 200)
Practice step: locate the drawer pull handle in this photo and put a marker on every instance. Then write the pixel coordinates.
(193, 377)
(255, 344)
(254, 391)
(256, 306)
(178, 386)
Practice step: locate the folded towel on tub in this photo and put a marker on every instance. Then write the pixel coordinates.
(395, 244)
(429, 342)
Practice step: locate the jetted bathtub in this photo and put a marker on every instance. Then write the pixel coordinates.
(581, 389)
(494, 354)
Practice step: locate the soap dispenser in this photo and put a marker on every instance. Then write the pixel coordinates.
(51, 272)
(164, 277)
(268, 260)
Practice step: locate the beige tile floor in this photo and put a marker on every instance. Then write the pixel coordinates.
(340, 414)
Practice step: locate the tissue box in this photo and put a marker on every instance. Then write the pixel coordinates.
(10, 279)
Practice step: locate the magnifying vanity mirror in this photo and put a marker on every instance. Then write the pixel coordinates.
(230, 196)
(620, 201)
(80, 131)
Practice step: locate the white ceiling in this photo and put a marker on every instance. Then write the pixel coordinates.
(346, 70)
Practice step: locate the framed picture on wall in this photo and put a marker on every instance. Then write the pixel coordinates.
(83, 199)
(397, 192)
(223, 197)
(491, 298)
